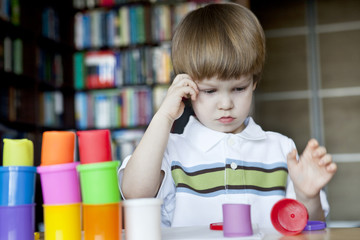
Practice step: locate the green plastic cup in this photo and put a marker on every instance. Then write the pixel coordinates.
(99, 184)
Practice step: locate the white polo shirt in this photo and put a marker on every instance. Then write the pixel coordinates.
(205, 168)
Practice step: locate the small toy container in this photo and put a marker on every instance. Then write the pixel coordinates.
(289, 216)
(237, 220)
(94, 146)
(17, 185)
(17, 222)
(142, 218)
(62, 222)
(18, 152)
(60, 183)
(58, 147)
(102, 221)
(99, 183)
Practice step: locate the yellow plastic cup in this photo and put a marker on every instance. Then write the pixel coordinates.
(18, 152)
(62, 222)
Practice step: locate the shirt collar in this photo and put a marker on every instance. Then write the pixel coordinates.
(205, 138)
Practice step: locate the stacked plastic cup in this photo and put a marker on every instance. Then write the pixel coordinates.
(99, 186)
(17, 190)
(60, 186)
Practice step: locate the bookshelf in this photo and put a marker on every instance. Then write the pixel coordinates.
(122, 64)
(36, 87)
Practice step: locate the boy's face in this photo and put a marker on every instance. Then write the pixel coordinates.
(224, 105)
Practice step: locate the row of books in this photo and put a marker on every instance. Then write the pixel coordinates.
(50, 24)
(82, 4)
(114, 108)
(50, 67)
(11, 55)
(51, 108)
(10, 11)
(17, 105)
(128, 25)
(109, 69)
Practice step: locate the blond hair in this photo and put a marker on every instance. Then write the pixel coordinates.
(219, 40)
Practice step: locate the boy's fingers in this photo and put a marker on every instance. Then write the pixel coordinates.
(311, 146)
(191, 93)
(291, 158)
(332, 167)
(312, 143)
(325, 160)
(320, 151)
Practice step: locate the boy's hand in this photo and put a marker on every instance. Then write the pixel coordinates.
(182, 87)
(313, 170)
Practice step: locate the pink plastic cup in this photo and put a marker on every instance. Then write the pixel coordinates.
(60, 183)
(237, 220)
(94, 146)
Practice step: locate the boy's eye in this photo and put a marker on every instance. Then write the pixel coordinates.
(208, 91)
(239, 89)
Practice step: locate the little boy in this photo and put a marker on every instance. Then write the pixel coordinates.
(222, 156)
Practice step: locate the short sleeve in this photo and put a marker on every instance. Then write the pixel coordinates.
(120, 173)
(166, 190)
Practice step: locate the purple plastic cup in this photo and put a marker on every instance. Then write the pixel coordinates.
(17, 222)
(237, 220)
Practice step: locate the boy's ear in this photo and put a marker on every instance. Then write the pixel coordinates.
(254, 86)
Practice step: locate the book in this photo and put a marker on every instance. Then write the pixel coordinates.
(79, 71)
(79, 29)
(18, 56)
(2, 55)
(15, 12)
(124, 26)
(100, 69)
(8, 62)
(81, 107)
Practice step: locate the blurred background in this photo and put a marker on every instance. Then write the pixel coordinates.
(311, 86)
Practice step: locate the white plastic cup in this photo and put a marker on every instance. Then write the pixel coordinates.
(142, 219)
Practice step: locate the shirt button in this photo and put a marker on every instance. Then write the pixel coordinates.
(233, 166)
(231, 142)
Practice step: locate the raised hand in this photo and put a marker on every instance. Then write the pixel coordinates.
(313, 170)
(182, 87)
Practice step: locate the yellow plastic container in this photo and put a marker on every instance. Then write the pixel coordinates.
(62, 222)
(18, 152)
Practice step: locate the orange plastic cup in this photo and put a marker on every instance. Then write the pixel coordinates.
(57, 147)
(102, 221)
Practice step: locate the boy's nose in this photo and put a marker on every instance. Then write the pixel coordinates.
(225, 102)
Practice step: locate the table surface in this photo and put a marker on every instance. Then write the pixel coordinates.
(203, 232)
(193, 233)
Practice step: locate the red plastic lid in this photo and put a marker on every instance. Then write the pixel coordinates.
(216, 226)
(289, 216)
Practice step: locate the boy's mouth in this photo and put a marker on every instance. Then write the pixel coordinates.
(226, 120)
